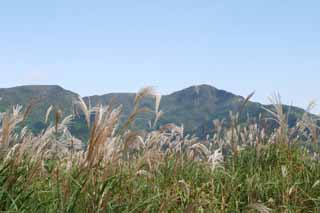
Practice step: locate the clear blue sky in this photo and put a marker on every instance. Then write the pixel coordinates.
(96, 47)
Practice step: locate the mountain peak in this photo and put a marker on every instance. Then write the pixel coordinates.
(37, 87)
(197, 90)
(36, 90)
(206, 92)
(43, 95)
(203, 87)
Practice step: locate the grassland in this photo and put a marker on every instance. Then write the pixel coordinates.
(238, 168)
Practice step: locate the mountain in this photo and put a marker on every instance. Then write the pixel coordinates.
(43, 96)
(194, 107)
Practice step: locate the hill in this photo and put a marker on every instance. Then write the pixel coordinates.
(194, 107)
(42, 96)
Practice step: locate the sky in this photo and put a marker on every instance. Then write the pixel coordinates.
(101, 46)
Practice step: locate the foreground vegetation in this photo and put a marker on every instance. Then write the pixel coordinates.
(239, 168)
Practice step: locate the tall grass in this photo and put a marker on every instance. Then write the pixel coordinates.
(237, 169)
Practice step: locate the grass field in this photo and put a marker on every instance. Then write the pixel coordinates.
(239, 168)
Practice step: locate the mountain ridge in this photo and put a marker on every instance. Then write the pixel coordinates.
(195, 107)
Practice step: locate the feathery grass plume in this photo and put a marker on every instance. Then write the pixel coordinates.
(218, 132)
(200, 151)
(245, 102)
(9, 123)
(158, 113)
(133, 116)
(152, 140)
(241, 109)
(11, 153)
(143, 93)
(158, 98)
(157, 117)
(181, 131)
(216, 159)
(173, 129)
(85, 109)
(310, 123)
(57, 118)
(132, 140)
(67, 121)
(33, 102)
(104, 125)
(279, 117)
(49, 110)
(23, 133)
(233, 140)
(5, 130)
